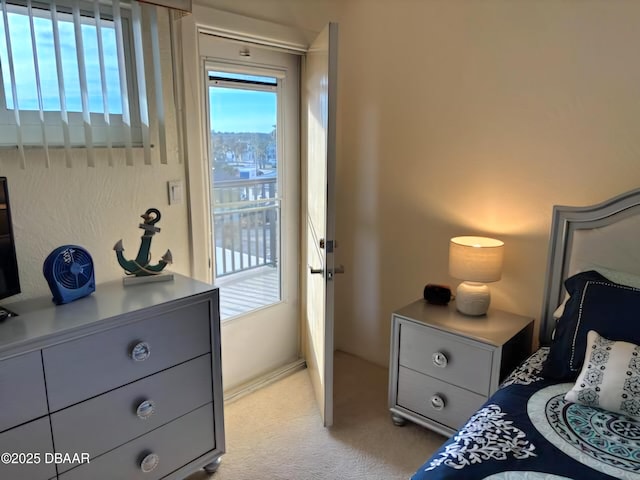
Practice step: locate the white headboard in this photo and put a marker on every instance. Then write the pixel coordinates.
(606, 234)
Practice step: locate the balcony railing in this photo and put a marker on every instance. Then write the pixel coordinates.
(246, 219)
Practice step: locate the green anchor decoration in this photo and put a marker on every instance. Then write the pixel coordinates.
(140, 266)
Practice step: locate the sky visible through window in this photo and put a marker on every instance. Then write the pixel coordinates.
(235, 110)
(26, 87)
(240, 110)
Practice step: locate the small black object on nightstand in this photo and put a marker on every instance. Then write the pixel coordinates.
(437, 294)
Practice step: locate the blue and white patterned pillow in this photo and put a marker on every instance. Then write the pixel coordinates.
(610, 376)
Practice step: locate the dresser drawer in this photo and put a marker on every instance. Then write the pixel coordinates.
(416, 392)
(82, 368)
(22, 392)
(463, 363)
(173, 393)
(175, 444)
(33, 437)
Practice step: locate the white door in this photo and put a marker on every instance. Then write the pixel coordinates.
(252, 125)
(319, 156)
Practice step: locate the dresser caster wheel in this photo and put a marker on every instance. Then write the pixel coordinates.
(213, 466)
(397, 420)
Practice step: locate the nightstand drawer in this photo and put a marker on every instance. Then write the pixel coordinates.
(452, 359)
(173, 445)
(133, 410)
(437, 400)
(22, 392)
(89, 366)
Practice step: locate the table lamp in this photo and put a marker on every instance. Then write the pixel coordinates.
(476, 261)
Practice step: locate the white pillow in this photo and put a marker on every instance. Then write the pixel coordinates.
(610, 376)
(557, 313)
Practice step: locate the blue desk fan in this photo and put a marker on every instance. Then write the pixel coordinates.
(69, 273)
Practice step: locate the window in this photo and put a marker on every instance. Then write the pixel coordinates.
(73, 74)
(243, 118)
(23, 53)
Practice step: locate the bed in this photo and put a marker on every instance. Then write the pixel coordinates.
(572, 409)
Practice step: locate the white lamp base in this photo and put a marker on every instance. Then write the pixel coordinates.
(473, 298)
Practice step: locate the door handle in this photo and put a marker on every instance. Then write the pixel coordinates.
(320, 271)
(331, 273)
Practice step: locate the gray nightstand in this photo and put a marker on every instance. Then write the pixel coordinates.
(444, 365)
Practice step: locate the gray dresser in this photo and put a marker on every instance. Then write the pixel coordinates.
(123, 384)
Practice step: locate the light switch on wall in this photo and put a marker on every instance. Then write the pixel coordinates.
(175, 192)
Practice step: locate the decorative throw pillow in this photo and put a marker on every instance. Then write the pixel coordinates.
(594, 304)
(615, 276)
(610, 377)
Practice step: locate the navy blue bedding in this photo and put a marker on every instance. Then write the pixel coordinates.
(527, 431)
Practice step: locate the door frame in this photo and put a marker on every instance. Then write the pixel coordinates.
(265, 339)
(191, 98)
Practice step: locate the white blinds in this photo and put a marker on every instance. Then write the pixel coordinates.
(12, 78)
(74, 74)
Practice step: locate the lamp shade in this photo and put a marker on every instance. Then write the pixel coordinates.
(476, 259)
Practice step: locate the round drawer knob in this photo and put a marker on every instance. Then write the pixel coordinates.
(149, 463)
(437, 402)
(146, 409)
(140, 351)
(440, 359)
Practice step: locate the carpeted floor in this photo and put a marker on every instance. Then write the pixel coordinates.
(276, 433)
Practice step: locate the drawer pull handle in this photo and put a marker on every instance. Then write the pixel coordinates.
(146, 409)
(440, 359)
(437, 402)
(141, 351)
(149, 463)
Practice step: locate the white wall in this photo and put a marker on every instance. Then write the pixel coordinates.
(93, 208)
(467, 117)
